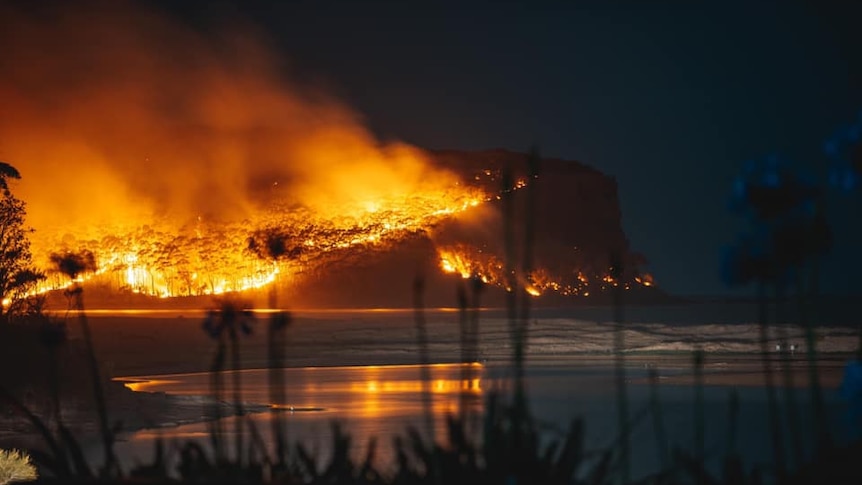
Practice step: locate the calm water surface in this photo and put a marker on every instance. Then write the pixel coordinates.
(381, 401)
(570, 375)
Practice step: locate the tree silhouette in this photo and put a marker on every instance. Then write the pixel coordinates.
(17, 276)
(7, 172)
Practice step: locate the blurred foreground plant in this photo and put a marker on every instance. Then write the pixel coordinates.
(270, 246)
(225, 325)
(790, 232)
(512, 450)
(789, 235)
(15, 466)
(74, 264)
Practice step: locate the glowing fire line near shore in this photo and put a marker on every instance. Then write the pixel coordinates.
(208, 258)
(469, 262)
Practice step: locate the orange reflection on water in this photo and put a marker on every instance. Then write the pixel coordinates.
(146, 385)
(437, 386)
(377, 391)
(370, 401)
(369, 394)
(380, 391)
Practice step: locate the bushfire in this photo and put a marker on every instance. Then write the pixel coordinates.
(210, 258)
(213, 169)
(470, 262)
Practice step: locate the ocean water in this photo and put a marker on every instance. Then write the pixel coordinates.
(382, 401)
(358, 368)
(388, 336)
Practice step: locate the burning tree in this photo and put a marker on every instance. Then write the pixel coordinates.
(17, 276)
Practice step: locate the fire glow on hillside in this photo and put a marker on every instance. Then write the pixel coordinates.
(469, 262)
(170, 167)
(211, 258)
(204, 258)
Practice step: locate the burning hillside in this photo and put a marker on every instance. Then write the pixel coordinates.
(576, 228)
(213, 257)
(181, 159)
(323, 257)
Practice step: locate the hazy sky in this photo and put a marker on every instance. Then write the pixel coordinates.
(670, 100)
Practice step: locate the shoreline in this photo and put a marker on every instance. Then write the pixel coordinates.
(130, 345)
(168, 343)
(151, 412)
(377, 402)
(134, 410)
(142, 409)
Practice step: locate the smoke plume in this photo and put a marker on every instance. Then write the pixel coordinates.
(116, 114)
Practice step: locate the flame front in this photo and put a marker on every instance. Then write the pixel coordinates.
(469, 262)
(209, 258)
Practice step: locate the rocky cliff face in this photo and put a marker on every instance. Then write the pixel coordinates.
(576, 227)
(577, 217)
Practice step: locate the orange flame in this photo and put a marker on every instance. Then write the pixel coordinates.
(163, 165)
(468, 262)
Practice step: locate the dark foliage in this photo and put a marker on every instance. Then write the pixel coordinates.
(74, 263)
(17, 276)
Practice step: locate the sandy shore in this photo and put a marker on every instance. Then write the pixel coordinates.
(742, 372)
(167, 342)
(129, 344)
(128, 411)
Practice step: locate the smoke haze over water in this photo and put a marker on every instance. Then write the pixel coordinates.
(115, 113)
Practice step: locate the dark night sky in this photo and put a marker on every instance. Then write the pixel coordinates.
(670, 100)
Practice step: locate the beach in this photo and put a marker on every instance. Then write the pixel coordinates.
(359, 367)
(145, 342)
